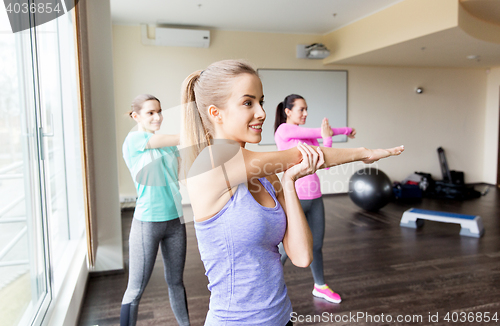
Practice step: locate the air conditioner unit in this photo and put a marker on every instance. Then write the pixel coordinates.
(177, 37)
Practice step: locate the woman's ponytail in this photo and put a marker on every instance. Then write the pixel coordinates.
(194, 136)
(280, 116)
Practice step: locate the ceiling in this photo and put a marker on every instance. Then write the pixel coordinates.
(444, 49)
(451, 48)
(276, 16)
(487, 10)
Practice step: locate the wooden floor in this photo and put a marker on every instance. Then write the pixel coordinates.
(377, 266)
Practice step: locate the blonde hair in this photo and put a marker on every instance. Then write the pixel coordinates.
(200, 90)
(139, 100)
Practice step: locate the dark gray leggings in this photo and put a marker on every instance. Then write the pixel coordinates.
(314, 210)
(144, 239)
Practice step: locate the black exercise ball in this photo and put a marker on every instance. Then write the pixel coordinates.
(370, 189)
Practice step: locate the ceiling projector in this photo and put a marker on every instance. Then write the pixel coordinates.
(317, 51)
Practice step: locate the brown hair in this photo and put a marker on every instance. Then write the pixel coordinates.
(287, 103)
(200, 90)
(139, 100)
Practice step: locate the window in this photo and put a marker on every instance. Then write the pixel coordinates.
(41, 192)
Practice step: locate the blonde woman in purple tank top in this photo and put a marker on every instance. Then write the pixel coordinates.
(242, 210)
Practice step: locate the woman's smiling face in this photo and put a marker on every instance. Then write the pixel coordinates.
(243, 114)
(150, 117)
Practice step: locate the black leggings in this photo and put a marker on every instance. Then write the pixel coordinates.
(144, 240)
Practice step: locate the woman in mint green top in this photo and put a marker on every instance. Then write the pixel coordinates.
(153, 163)
(154, 171)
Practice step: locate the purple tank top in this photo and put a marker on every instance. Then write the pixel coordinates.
(239, 248)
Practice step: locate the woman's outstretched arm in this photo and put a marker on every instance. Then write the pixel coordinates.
(261, 164)
(158, 141)
(226, 165)
(290, 131)
(220, 168)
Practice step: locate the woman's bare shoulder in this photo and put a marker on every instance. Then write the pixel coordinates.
(214, 156)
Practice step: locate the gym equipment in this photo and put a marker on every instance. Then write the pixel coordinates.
(449, 176)
(452, 186)
(472, 226)
(370, 189)
(406, 191)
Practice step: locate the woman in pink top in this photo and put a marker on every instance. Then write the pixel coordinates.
(291, 113)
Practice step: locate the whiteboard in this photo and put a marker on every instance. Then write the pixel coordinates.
(325, 92)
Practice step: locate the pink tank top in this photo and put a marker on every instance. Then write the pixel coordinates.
(288, 135)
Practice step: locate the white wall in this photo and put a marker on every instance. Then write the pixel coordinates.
(109, 254)
(491, 126)
(450, 113)
(382, 103)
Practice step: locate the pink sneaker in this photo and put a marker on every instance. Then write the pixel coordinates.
(326, 293)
